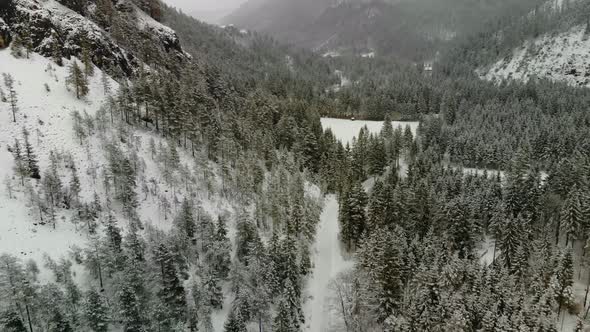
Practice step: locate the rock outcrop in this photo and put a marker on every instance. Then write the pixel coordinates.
(58, 31)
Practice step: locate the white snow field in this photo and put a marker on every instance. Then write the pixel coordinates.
(345, 130)
(559, 57)
(328, 264)
(47, 117)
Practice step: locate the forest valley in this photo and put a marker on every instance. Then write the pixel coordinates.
(196, 176)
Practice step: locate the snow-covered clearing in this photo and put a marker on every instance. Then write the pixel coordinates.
(559, 57)
(345, 130)
(328, 264)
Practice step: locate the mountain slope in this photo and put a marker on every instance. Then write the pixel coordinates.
(149, 181)
(411, 29)
(561, 57)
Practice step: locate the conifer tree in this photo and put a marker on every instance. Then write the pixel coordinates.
(288, 317)
(52, 187)
(171, 291)
(113, 234)
(106, 83)
(59, 323)
(129, 309)
(12, 96)
(220, 260)
(20, 166)
(96, 312)
(354, 218)
(185, 220)
(17, 46)
(77, 80)
(235, 322)
(27, 41)
(30, 158)
(10, 321)
(213, 291)
(56, 52)
(87, 61)
(571, 215)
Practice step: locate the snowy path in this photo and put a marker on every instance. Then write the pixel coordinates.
(328, 263)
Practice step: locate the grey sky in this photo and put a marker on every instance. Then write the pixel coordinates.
(207, 10)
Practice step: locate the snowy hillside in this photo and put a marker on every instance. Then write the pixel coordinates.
(47, 116)
(562, 57)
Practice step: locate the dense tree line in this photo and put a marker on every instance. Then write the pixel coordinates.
(418, 234)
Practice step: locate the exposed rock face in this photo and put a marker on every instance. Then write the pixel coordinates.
(55, 28)
(4, 34)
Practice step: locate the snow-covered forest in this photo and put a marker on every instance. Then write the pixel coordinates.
(162, 174)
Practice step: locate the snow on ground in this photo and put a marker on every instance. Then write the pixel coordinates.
(369, 55)
(345, 130)
(331, 54)
(328, 263)
(561, 57)
(145, 21)
(46, 115)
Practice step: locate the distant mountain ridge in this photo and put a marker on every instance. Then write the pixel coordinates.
(411, 29)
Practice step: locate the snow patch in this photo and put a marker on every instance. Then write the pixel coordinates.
(562, 57)
(346, 130)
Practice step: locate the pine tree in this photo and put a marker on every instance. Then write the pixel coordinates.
(171, 291)
(235, 322)
(220, 259)
(56, 52)
(387, 129)
(20, 166)
(30, 158)
(113, 234)
(53, 189)
(77, 80)
(305, 262)
(12, 96)
(185, 220)
(288, 317)
(87, 61)
(129, 309)
(106, 83)
(17, 46)
(10, 321)
(96, 312)
(213, 291)
(356, 216)
(571, 215)
(127, 182)
(511, 240)
(27, 41)
(59, 323)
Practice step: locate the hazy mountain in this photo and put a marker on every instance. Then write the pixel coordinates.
(412, 29)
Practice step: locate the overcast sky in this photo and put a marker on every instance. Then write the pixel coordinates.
(208, 10)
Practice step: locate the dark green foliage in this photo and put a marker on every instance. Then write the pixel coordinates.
(30, 158)
(171, 292)
(11, 322)
(234, 322)
(96, 312)
(185, 220)
(353, 218)
(59, 323)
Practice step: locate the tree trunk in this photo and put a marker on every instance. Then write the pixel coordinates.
(29, 318)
